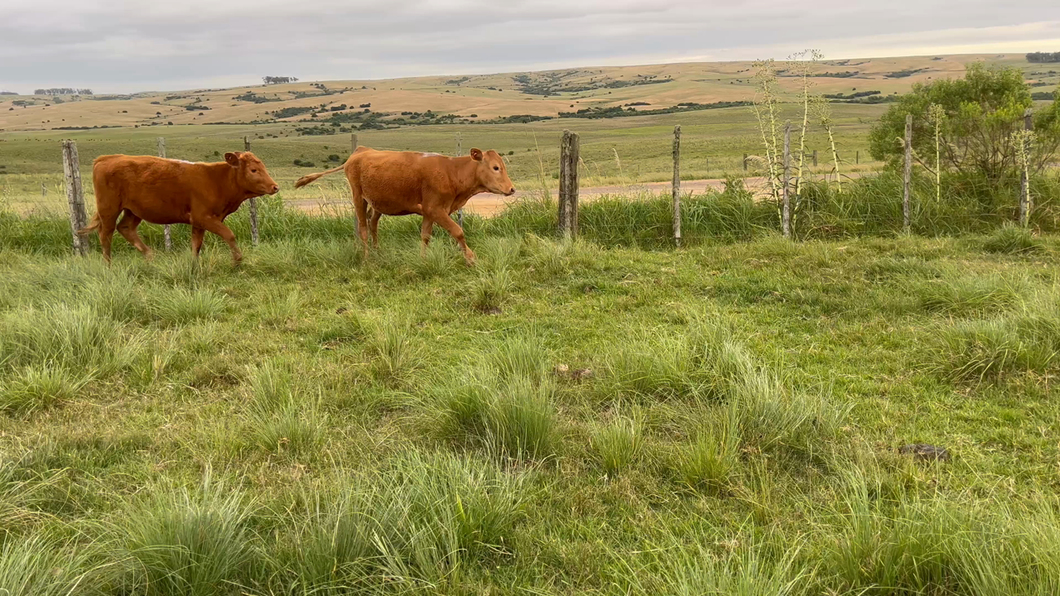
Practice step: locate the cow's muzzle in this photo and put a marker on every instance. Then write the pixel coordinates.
(510, 192)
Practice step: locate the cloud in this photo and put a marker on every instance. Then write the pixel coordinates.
(127, 45)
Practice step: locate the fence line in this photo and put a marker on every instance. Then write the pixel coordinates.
(869, 217)
(167, 233)
(568, 185)
(908, 171)
(1025, 183)
(75, 196)
(253, 204)
(786, 182)
(677, 186)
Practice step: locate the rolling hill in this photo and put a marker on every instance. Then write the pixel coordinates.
(484, 98)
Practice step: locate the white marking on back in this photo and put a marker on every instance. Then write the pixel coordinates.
(182, 161)
(430, 154)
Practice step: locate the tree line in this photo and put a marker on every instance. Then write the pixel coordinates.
(1041, 57)
(279, 80)
(62, 91)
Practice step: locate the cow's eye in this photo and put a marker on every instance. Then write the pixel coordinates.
(253, 171)
(496, 169)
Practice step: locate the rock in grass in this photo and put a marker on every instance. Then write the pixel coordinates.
(566, 373)
(922, 452)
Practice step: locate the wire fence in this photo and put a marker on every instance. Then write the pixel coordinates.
(820, 204)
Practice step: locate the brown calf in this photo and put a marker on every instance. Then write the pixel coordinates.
(170, 191)
(427, 184)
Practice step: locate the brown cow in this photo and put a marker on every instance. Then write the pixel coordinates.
(428, 184)
(170, 191)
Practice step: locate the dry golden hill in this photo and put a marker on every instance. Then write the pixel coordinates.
(484, 97)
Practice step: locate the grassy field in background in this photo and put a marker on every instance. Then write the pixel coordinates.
(316, 423)
(614, 152)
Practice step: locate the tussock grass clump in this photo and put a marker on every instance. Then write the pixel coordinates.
(1024, 341)
(180, 306)
(754, 569)
(281, 421)
(440, 259)
(969, 295)
(497, 253)
(521, 356)
(1012, 239)
(394, 351)
(38, 387)
(291, 429)
(938, 545)
(186, 542)
(72, 338)
(705, 364)
(712, 457)
(770, 417)
(617, 445)
(512, 418)
(117, 294)
(491, 289)
(413, 524)
(552, 258)
(282, 307)
(39, 566)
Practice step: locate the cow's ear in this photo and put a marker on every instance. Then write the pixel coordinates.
(232, 159)
(476, 154)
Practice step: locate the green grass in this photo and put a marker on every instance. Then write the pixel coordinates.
(314, 422)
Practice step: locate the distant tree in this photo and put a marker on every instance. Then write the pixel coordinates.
(62, 91)
(1043, 57)
(982, 113)
(279, 80)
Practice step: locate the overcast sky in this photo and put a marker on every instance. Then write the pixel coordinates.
(139, 45)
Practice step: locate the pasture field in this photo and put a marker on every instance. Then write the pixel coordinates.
(564, 418)
(623, 151)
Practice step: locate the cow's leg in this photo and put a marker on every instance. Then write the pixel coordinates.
(107, 223)
(373, 225)
(454, 229)
(215, 225)
(127, 226)
(360, 206)
(425, 235)
(197, 235)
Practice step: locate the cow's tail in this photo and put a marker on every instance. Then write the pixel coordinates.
(311, 178)
(91, 227)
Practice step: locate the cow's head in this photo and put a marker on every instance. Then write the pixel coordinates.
(251, 175)
(491, 172)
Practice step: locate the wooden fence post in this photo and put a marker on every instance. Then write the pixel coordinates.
(568, 185)
(857, 157)
(908, 171)
(815, 158)
(1025, 183)
(745, 162)
(785, 217)
(253, 204)
(43, 190)
(167, 234)
(353, 142)
(459, 152)
(75, 197)
(677, 186)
